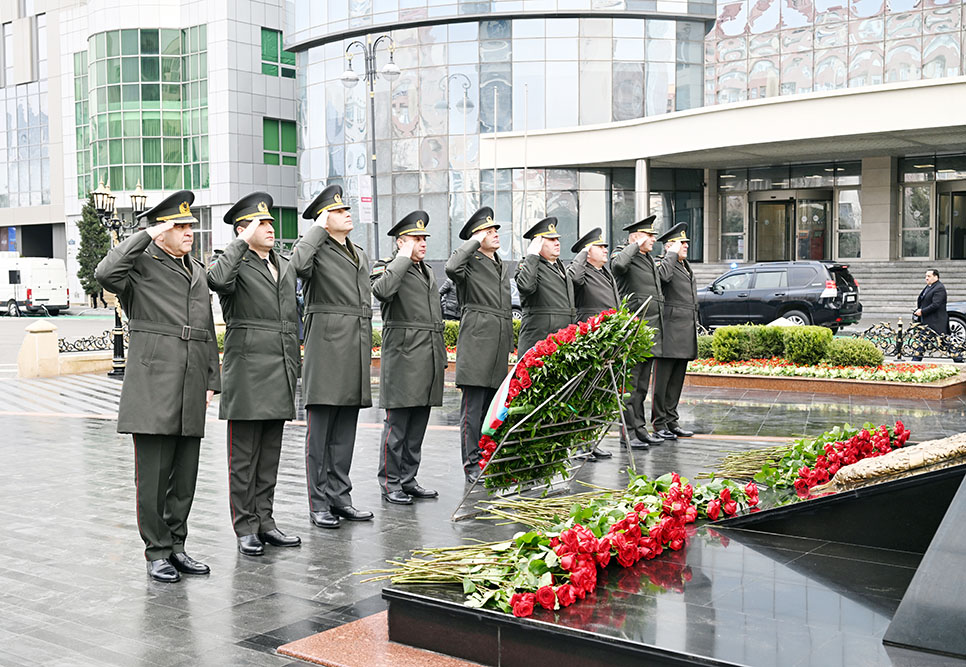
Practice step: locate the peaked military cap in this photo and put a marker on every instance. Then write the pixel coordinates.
(482, 219)
(256, 206)
(175, 208)
(646, 225)
(329, 199)
(414, 224)
(594, 237)
(546, 228)
(678, 232)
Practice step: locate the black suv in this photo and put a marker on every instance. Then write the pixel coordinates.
(806, 292)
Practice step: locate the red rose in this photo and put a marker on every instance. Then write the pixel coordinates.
(568, 562)
(569, 538)
(730, 508)
(676, 545)
(714, 508)
(691, 514)
(566, 595)
(725, 494)
(751, 489)
(524, 605)
(584, 328)
(545, 597)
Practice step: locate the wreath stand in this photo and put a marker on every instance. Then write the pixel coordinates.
(600, 378)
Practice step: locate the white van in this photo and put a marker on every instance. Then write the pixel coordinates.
(33, 284)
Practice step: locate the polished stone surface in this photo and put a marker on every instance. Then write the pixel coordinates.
(73, 588)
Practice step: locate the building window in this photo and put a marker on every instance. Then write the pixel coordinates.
(849, 224)
(278, 141)
(275, 60)
(286, 227)
(733, 227)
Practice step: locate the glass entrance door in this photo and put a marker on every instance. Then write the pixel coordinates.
(773, 221)
(951, 226)
(812, 233)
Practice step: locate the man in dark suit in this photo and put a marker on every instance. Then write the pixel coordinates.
(680, 336)
(171, 375)
(931, 305)
(338, 353)
(257, 290)
(486, 329)
(546, 292)
(413, 357)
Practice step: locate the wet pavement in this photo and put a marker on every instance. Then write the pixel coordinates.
(73, 588)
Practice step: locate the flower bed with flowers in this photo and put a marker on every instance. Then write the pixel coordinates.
(554, 564)
(778, 367)
(540, 449)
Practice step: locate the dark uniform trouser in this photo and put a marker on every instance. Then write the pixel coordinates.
(402, 443)
(254, 448)
(634, 415)
(668, 383)
(165, 472)
(329, 441)
(473, 406)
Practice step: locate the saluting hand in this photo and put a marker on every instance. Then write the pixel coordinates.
(407, 246)
(674, 248)
(536, 245)
(322, 221)
(249, 231)
(479, 236)
(154, 231)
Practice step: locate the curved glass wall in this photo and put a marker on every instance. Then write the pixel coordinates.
(766, 48)
(461, 80)
(142, 113)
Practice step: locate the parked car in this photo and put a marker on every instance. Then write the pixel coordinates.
(805, 292)
(33, 285)
(957, 320)
(451, 305)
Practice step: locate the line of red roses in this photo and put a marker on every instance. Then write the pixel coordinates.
(860, 446)
(727, 504)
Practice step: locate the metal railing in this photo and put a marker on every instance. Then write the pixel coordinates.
(915, 340)
(98, 343)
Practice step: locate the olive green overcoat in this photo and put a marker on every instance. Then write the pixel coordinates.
(172, 359)
(338, 320)
(547, 297)
(637, 279)
(262, 356)
(486, 326)
(680, 309)
(413, 354)
(595, 290)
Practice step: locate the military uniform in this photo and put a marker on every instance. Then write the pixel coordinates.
(338, 356)
(486, 331)
(637, 280)
(594, 289)
(680, 340)
(412, 365)
(260, 369)
(546, 292)
(172, 362)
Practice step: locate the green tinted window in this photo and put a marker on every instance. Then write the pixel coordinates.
(116, 148)
(114, 70)
(132, 176)
(132, 151)
(270, 40)
(151, 123)
(132, 124)
(149, 41)
(131, 96)
(113, 43)
(289, 141)
(171, 150)
(271, 158)
(171, 69)
(113, 98)
(171, 42)
(270, 69)
(114, 125)
(288, 73)
(172, 177)
(130, 69)
(129, 42)
(288, 58)
(152, 151)
(290, 223)
(270, 134)
(152, 178)
(150, 69)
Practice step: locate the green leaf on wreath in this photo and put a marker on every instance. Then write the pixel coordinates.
(468, 587)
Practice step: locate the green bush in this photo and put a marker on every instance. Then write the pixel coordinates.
(451, 331)
(705, 347)
(377, 337)
(516, 332)
(853, 352)
(220, 337)
(730, 344)
(806, 346)
(765, 342)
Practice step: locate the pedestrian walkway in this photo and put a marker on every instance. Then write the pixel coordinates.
(73, 588)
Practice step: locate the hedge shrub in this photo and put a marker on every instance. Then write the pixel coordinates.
(853, 352)
(705, 347)
(451, 331)
(377, 337)
(730, 344)
(806, 346)
(766, 342)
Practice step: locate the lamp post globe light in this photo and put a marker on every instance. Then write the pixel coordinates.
(390, 72)
(114, 222)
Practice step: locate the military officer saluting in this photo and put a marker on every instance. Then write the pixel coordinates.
(262, 358)
(486, 328)
(413, 357)
(637, 280)
(172, 373)
(546, 292)
(338, 353)
(680, 332)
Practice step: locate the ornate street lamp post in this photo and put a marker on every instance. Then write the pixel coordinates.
(390, 72)
(115, 223)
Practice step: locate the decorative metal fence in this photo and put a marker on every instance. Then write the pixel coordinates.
(915, 340)
(102, 342)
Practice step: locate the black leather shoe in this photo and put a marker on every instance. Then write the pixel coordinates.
(472, 477)
(324, 519)
(421, 492)
(161, 570)
(666, 434)
(250, 545)
(639, 444)
(277, 538)
(680, 432)
(396, 498)
(351, 513)
(601, 453)
(187, 565)
(652, 438)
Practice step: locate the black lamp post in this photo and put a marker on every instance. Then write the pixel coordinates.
(390, 72)
(115, 223)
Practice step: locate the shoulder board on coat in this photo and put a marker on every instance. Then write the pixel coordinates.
(379, 267)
